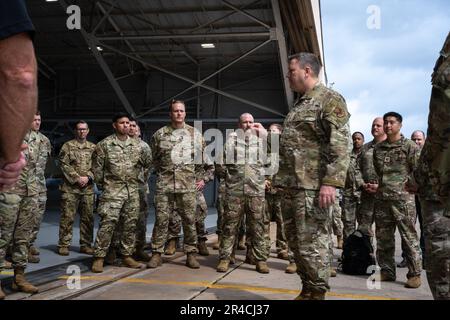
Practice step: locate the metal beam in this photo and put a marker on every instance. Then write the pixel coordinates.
(282, 52)
(246, 14)
(106, 15)
(187, 36)
(91, 41)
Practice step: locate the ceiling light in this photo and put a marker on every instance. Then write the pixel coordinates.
(51, 0)
(208, 45)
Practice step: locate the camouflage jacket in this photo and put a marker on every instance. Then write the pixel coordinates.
(274, 161)
(28, 183)
(395, 164)
(437, 145)
(244, 165)
(365, 163)
(45, 150)
(315, 144)
(144, 175)
(75, 160)
(117, 165)
(353, 181)
(177, 157)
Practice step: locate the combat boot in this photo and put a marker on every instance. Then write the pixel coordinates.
(413, 282)
(340, 242)
(223, 266)
(97, 265)
(2, 294)
(129, 262)
(87, 250)
(333, 272)
(216, 245)
(317, 296)
(383, 276)
(34, 251)
(155, 260)
(203, 248)
(250, 259)
(63, 251)
(233, 258)
(191, 261)
(283, 254)
(141, 255)
(261, 267)
(21, 284)
(171, 247)
(33, 259)
(241, 244)
(291, 268)
(304, 295)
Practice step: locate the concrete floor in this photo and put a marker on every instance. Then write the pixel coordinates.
(174, 281)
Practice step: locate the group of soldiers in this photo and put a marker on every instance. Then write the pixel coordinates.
(378, 182)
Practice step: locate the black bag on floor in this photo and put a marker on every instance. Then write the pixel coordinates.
(357, 255)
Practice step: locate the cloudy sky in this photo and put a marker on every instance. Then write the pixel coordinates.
(387, 68)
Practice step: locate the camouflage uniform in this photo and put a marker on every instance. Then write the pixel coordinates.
(18, 205)
(395, 207)
(116, 166)
(45, 149)
(75, 160)
(314, 151)
(337, 225)
(245, 190)
(369, 175)
(220, 204)
(434, 171)
(175, 184)
(352, 196)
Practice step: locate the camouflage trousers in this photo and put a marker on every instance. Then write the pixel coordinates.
(256, 219)
(337, 225)
(366, 214)
(201, 212)
(309, 236)
(38, 216)
(436, 221)
(390, 214)
(349, 218)
(16, 224)
(141, 227)
(220, 209)
(121, 213)
(185, 204)
(273, 208)
(70, 204)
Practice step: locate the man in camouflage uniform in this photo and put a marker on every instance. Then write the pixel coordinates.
(370, 178)
(314, 157)
(352, 189)
(395, 159)
(17, 213)
(177, 154)
(117, 162)
(336, 216)
(244, 169)
(77, 190)
(220, 208)
(45, 149)
(434, 179)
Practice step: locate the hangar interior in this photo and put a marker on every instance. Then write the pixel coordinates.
(221, 57)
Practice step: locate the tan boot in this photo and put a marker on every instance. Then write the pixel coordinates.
(413, 282)
(223, 266)
(216, 245)
(21, 284)
(33, 259)
(97, 265)
(203, 248)
(241, 244)
(34, 251)
(191, 261)
(141, 255)
(283, 254)
(333, 272)
(304, 295)
(129, 262)
(340, 242)
(155, 260)
(291, 268)
(87, 250)
(261, 267)
(317, 296)
(63, 251)
(2, 294)
(171, 247)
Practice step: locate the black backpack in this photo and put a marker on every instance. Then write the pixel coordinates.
(357, 255)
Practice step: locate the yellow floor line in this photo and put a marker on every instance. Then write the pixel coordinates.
(230, 287)
(7, 273)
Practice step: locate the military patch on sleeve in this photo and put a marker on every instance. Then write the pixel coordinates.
(339, 112)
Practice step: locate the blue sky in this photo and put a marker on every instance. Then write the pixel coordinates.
(385, 69)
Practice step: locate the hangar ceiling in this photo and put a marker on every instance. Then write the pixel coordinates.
(137, 55)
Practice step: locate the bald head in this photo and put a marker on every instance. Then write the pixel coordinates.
(377, 129)
(246, 121)
(418, 137)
